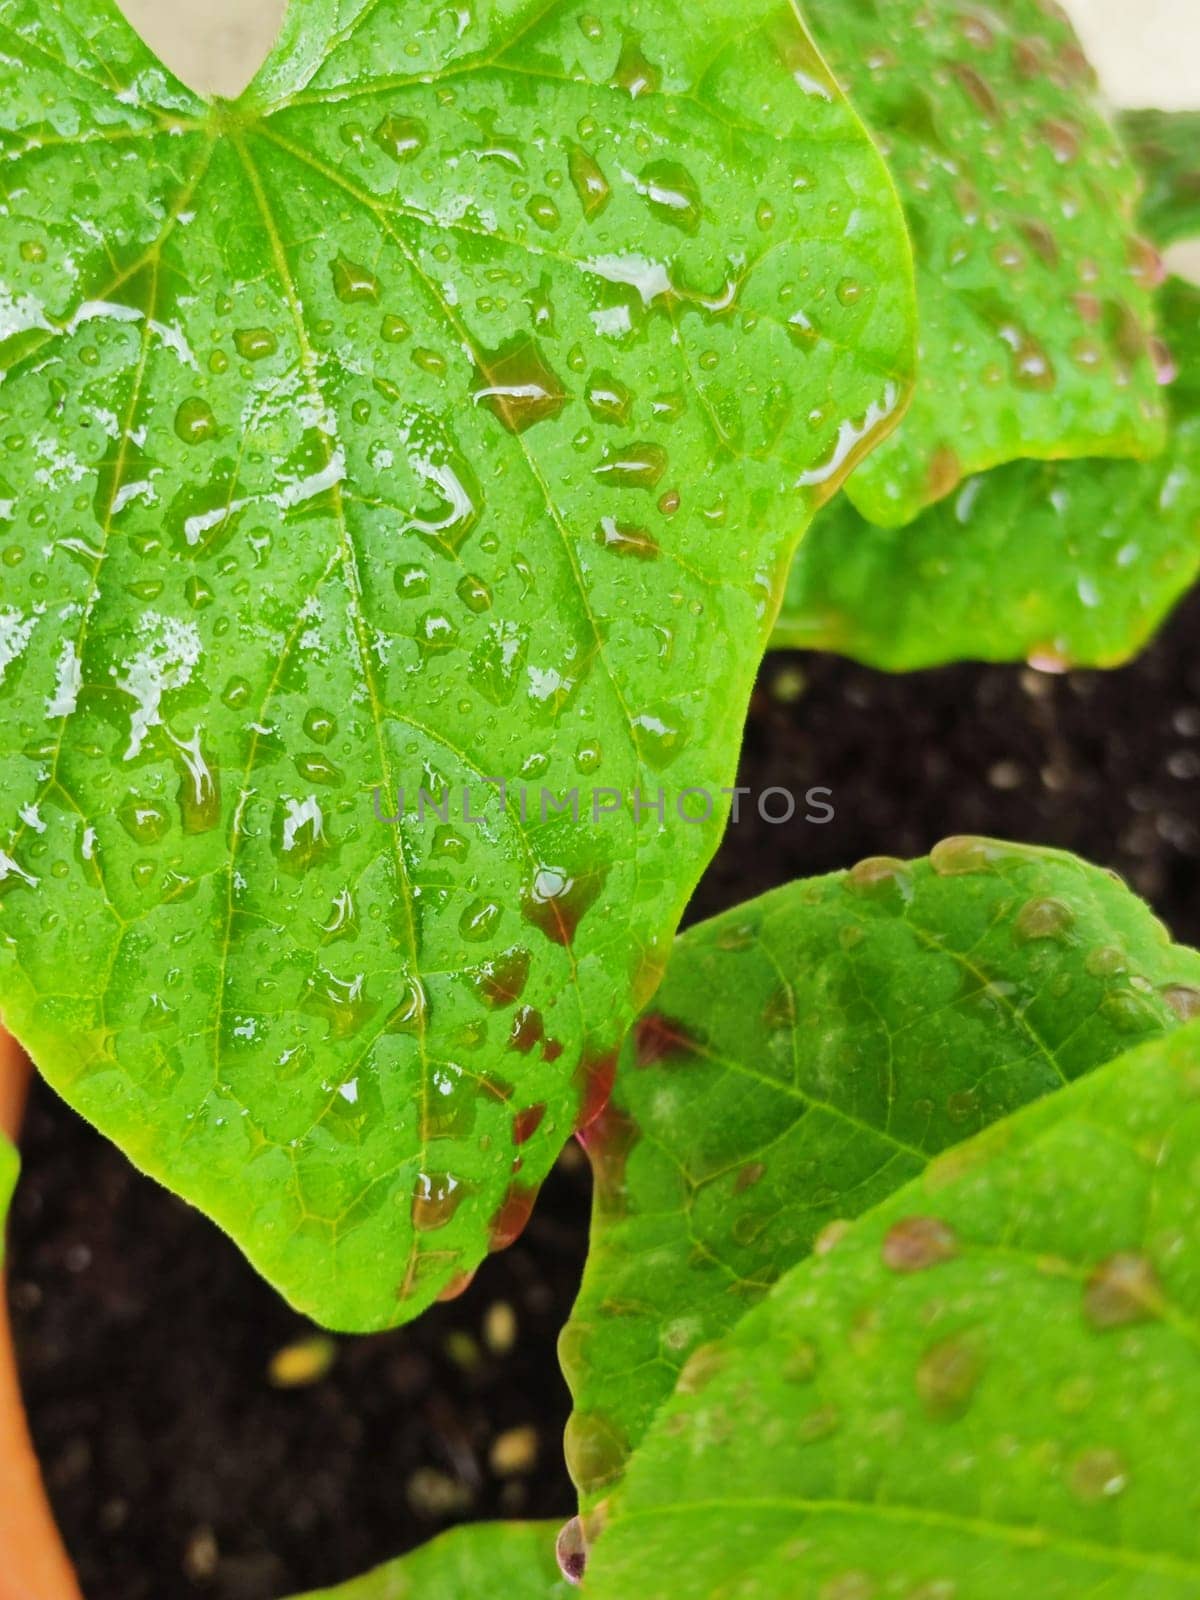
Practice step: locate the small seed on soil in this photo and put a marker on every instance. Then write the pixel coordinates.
(202, 1555)
(435, 1495)
(514, 1452)
(500, 1327)
(303, 1363)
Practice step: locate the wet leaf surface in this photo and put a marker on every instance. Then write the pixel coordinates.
(809, 1053)
(1060, 563)
(1007, 1410)
(1034, 288)
(431, 415)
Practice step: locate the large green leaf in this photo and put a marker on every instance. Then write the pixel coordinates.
(428, 416)
(810, 1052)
(990, 1386)
(1034, 290)
(1166, 145)
(1070, 563)
(513, 1559)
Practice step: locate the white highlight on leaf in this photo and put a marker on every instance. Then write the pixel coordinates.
(163, 664)
(68, 682)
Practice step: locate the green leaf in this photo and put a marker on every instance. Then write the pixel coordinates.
(1034, 291)
(9, 1165)
(810, 1052)
(428, 416)
(1072, 563)
(1166, 145)
(512, 1559)
(989, 1387)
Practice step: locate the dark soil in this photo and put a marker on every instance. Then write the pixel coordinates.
(177, 1470)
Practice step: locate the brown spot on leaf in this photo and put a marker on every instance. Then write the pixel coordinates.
(915, 1243)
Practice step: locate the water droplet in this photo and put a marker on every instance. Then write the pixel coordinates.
(1130, 1012)
(501, 982)
(409, 1015)
(1121, 1290)
(623, 539)
(199, 786)
(634, 73)
(342, 1002)
(1098, 1474)
(320, 726)
(662, 735)
(542, 210)
(254, 344)
(528, 1029)
(596, 1453)
(474, 594)
(1166, 368)
(882, 879)
(1062, 138)
(571, 1551)
(948, 1375)
(353, 283)
(318, 769)
(978, 90)
(143, 820)
(557, 901)
(194, 421)
(395, 330)
(959, 856)
(1040, 239)
(636, 466)
(1044, 919)
(479, 919)
(436, 1197)
(1183, 1000)
(916, 1243)
(608, 399)
(401, 138)
(672, 194)
(518, 386)
(589, 181)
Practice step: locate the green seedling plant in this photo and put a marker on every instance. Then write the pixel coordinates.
(403, 470)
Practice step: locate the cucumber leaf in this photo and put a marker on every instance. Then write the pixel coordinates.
(1062, 563)
(1166, 145)
(810, 1052)
(990, 1385)
(426, 417)
(515, 1559)
(1033, 287)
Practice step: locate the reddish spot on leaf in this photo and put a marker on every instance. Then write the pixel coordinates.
(528, 1029)
(658, 1039)
(458, 1285)
(595, 1076)
(501, 982)
(558, 901)
(526, 1123)
(608, 1142)
(509, 1222)
(916, 1243)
